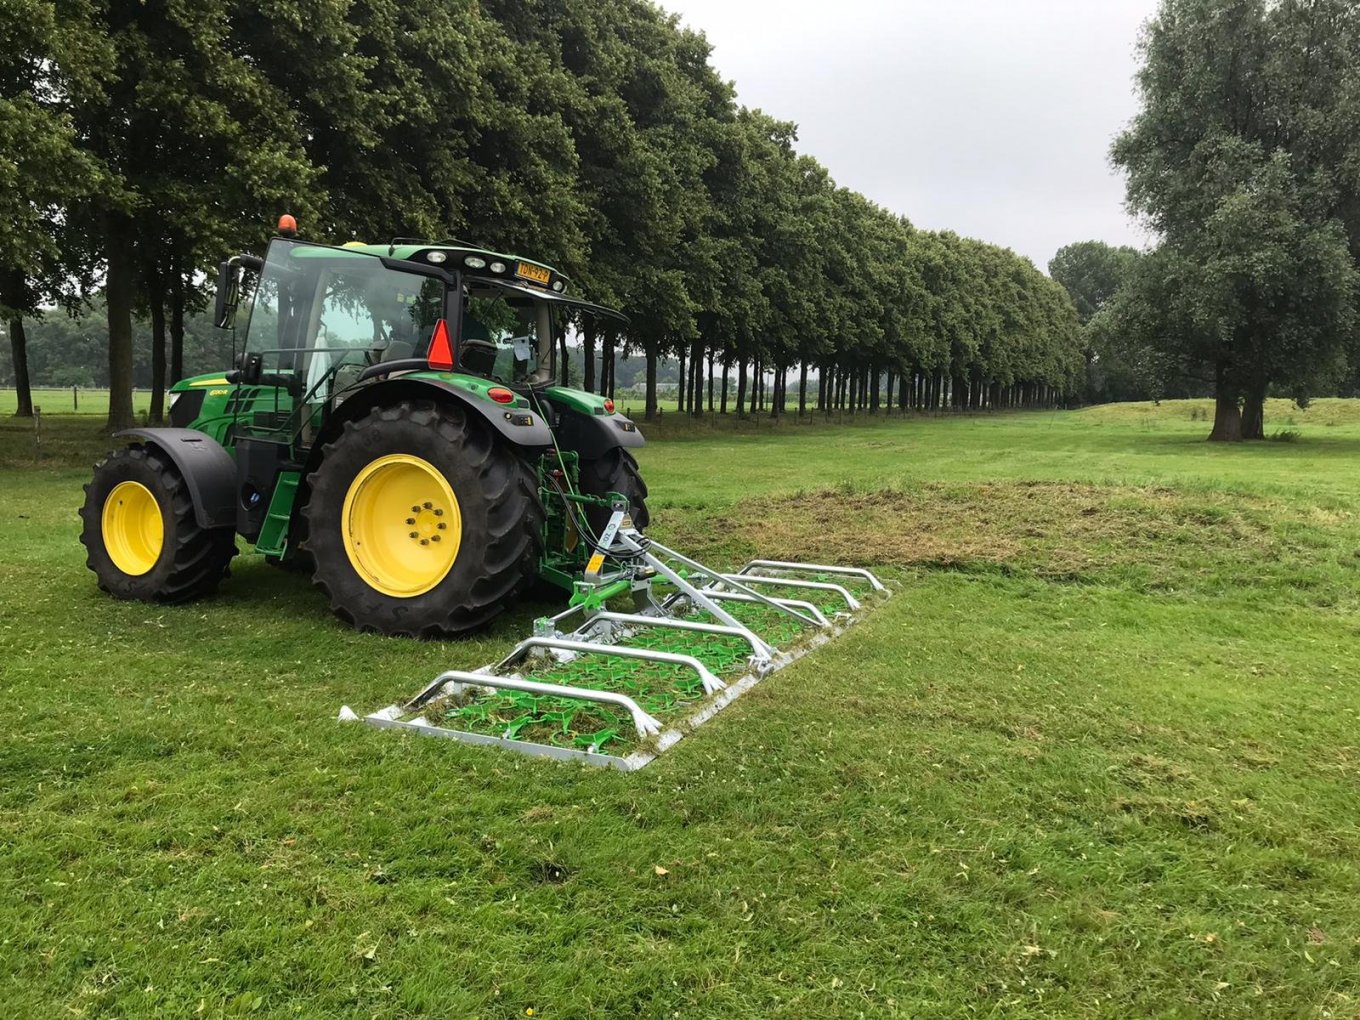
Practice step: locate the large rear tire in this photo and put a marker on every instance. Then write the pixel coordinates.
(421, 522)
(616, 471)
(141, 537)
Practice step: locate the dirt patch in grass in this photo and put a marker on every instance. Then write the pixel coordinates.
(1144, 537)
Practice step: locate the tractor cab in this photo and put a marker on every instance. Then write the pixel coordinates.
(323, 318)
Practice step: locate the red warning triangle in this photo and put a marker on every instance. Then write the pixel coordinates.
(441, 349)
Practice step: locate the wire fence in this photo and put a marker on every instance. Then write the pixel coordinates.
(70, 400)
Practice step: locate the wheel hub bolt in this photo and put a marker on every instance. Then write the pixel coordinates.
(424, 541)
(410, 520)
(415, 509)
(428, 504)
(434, 538)
(439, 513)
(415, 534)
(441, 525)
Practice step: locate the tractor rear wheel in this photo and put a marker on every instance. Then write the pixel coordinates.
(616, 471)
(141, 537)
(421, 522)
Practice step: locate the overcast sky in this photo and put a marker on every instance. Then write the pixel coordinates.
(993, 118)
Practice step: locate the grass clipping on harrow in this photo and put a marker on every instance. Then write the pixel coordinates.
(668, 692)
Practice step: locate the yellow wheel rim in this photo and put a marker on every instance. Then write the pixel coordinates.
(401, 525)
(133, 527)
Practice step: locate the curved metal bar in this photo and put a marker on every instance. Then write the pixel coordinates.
(647, 726)
(758, 648)
(818, 617)
(711, 682)
(788, 582)
(820, 568)
(709, 572)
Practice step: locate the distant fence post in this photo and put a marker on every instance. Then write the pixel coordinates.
(37, 432)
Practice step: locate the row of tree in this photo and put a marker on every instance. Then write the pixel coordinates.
(1244, 162)
(144, 142)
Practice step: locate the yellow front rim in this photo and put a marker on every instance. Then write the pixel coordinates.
(401, 525)
(133, 527)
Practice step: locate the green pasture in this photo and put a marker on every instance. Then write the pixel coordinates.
(1097, 756)
(57, 401)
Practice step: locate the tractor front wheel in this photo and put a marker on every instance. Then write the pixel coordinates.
(421, 523)
(140, 534)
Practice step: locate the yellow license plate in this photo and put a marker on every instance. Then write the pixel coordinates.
(536, 273)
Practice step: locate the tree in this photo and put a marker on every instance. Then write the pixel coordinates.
(1236, 161)
(195, 143)
(42, 57)
(1092, 272)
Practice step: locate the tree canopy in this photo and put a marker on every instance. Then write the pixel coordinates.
(595, 134)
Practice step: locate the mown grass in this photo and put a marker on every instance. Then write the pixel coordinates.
(60, 400)
(1097, 756)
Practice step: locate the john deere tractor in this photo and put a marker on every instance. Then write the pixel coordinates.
(391, 425)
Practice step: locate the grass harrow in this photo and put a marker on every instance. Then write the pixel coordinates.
(628, 683)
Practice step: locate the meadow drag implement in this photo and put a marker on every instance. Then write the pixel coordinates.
(622, 687)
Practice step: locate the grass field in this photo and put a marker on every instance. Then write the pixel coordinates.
(1098, 756)
(64, 402)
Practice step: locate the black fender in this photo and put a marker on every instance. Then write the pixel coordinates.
(523, 427)
(591, 436)
(208, 469)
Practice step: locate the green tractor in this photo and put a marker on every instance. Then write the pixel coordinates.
(392, 426)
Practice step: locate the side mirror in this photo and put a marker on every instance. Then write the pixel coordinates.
(249, 370)
(228, 293)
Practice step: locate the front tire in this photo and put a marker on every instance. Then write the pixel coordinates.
(421, 522)
(141, 537)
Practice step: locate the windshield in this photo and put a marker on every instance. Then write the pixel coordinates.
(318, 311)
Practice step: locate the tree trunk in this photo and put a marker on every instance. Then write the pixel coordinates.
(727, 365)
(18, 347)
(176, 322)
(1254, 412)
(607, 366)
(696, 372)
(118, 289)
(1227, 410)
(741, 388)
(710, 381)
(12, 297)
(588, 352)
(650, 412)
(1227, 421)
(802, 389)
(681, 383)
(156, 302)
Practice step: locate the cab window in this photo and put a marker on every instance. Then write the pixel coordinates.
(499, 336)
